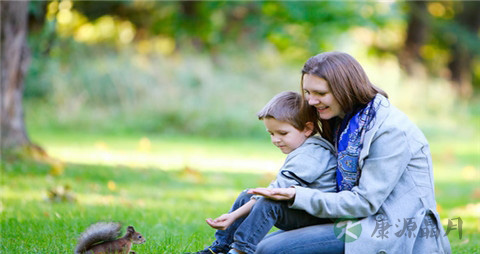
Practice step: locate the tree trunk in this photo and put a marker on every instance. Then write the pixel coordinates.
(15, 57)
(460, 66)
(418, 25)
(191, 21)
(460, 70)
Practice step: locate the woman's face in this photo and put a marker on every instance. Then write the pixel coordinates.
(318, 94)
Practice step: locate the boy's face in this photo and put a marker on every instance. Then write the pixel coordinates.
(285, 136)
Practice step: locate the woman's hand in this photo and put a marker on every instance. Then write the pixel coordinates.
(275, 193)
(222, 222)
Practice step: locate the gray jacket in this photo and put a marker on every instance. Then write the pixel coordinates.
(395, 187)
(311, 165)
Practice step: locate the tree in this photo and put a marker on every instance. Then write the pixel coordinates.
(463, 51)
(15, 57)
(450, 27)
(417, 29)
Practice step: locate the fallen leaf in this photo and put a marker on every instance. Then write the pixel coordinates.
(100, 145)
(111, 185)
(57, 168)
(469, 173)
(144, 145)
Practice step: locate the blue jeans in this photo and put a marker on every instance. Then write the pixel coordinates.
(247, 232)
(315, 239)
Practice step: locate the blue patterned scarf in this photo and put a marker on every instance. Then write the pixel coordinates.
(349, 141)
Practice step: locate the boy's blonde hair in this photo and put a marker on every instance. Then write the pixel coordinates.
(290, 107)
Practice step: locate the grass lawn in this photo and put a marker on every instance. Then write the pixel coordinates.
(166, 187)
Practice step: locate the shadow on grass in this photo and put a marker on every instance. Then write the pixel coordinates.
(168, 207)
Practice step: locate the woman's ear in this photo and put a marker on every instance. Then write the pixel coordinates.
(308, 129)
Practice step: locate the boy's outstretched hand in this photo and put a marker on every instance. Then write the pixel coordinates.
(274, 193)
(222, 222)
(225, 220)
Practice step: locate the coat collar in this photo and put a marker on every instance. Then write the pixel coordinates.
(383, 111)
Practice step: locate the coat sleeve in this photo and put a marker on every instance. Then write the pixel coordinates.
(304, 168)
(388, 158)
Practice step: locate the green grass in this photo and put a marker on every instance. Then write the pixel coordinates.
(169, 208)
(102, 112)
(168, 202)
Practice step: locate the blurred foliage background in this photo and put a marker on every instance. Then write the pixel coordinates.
(206, 67)
(147, 108)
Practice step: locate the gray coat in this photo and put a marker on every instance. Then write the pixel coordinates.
(395, 187)
(311, 165)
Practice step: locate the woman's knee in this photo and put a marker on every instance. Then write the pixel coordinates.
(268, 246)
(312, 239)
(273, 243)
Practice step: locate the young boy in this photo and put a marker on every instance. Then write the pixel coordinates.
(292, 125)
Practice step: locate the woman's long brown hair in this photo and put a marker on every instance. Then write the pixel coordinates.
(347, 80)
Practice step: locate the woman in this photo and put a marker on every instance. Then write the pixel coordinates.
(384, 172)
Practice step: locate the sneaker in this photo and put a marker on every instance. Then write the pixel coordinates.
(211, 250)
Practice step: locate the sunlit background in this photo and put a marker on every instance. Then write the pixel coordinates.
(150, 87)
(155, 68)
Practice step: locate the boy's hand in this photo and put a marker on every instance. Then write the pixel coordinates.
(275, 193)
(222, 222)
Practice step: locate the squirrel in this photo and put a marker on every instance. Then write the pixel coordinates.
(101, 238)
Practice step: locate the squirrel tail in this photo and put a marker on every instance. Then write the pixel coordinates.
(98, 232)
